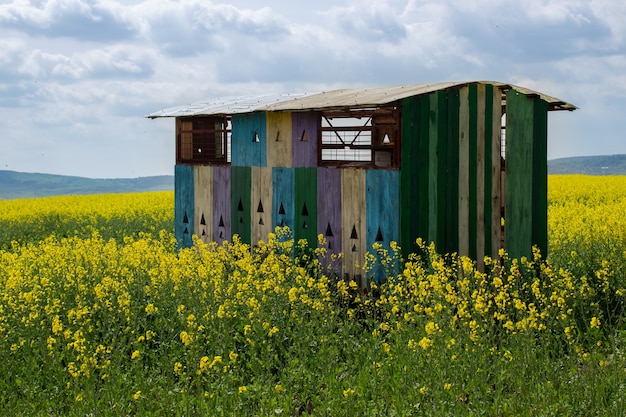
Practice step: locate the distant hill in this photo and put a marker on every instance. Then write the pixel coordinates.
(25, 185)
(590, 165)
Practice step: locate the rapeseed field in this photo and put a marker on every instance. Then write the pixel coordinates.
(100, 314)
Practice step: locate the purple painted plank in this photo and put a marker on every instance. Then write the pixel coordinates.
(221, 203)
(329, 207)
(305, 126)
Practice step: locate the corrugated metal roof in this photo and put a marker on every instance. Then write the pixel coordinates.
(337, 99)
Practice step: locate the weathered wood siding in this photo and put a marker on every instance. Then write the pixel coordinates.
(353, 231)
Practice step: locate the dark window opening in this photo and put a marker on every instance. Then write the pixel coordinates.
(203, 140)
(364, 137)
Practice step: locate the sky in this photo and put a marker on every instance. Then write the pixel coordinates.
(77, 77)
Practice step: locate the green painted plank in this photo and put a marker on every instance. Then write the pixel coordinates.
(540, 176)
(409, 176)
(488, 169)
(472, 163)
(519, 176)
(464, 172)
(306, 205)
(452, 174)
(437, 169)
(241, 181)
(423, 162)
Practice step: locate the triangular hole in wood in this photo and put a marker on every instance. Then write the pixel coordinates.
(260, 207)
(221, 224)
(305, 226)
(386, 139)
(203, 232)
(278, 136)
(185, 218)
(305, 211)
(221, 235)
(330, 245)
(329, 231)
(202, 220)
(261, 221)
(186, 232)
(354, 248)
(240, 206)
(353, 235)
(282, 223)
(281, 210)
(303, 137)
(241, 220)
(379, 236)
(255, 138)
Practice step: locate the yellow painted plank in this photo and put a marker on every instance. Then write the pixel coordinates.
(203, 202)
(464, 171)
(353, 233)
(261, 208)
(279, 139)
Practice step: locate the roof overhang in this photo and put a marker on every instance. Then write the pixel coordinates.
(336, 99)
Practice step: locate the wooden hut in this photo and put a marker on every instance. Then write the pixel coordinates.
(462, 164)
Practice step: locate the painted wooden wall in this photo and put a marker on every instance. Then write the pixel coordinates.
(450, 189)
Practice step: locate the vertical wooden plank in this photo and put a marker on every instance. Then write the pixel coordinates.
(329, 207)
(452, 174)
(423, 161)
(249, 140)
(519, 176)
(382, 201)
(540, 176)
(494, 173)
(261, 204)
(480, 175)
(464, 173)
(183, 205)
(437, 171)
(283, 212)
(409, 176)
(306, 205)
(473, 132)
(241, 182)
(279, 139)
(353, 231)
(221, 204)
(304, 131)
(203, 202)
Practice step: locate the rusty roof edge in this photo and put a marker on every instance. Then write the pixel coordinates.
(335, 99)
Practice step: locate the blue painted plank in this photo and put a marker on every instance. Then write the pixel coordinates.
(183, 205)
(249, 140)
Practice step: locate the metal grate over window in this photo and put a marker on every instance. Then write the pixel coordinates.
(204, 140)
(368, 137)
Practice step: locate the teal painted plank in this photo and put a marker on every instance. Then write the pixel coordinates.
(409, 176)
(452, 177)
(282, 197)
(306, 205)
(249, 140)
(241, 210)
(183, 205)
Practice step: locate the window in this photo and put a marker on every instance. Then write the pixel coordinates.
(203, 140)
(366, 137)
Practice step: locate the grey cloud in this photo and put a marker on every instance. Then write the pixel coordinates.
(370, 23)
(66, 18)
